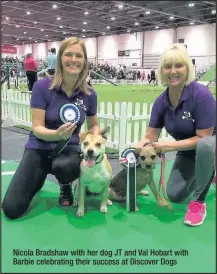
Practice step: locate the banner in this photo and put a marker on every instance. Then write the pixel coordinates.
(8, 49)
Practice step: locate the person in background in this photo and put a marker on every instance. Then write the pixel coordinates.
(153, 77)
(48, 96)
(187, 110)
(30, 67)
(52, 59)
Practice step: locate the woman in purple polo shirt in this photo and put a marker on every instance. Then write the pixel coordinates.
(187, 110)
(48, 96)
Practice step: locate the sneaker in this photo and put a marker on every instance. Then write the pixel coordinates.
(66, 198)
(196, 213)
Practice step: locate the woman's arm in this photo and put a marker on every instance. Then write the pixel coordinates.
(183, 145)
(49, 135)
(92, 125)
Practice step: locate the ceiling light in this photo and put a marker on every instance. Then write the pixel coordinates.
(213, 11)
(46, 35)
(136, 24)
(30, 38)
(24, 32)
(113, 18)
(147, 12)
(157, 27)
(64, 32)
(85, 23)
(17, 26)
(58, 18)
(17, 39)
(83, 30)
(191, 5)
(108, 27)
(120, 6)
(54, 6)
(191, 23)
(86, 12)
(7, 18)
(35, 41)
(61, 27)
(171, 17)
(42, 30)
(83, 36)
(49, 40)
(35, 22)
(28, 12)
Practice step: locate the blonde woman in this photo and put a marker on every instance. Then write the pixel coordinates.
(48, 95)
(187, 110)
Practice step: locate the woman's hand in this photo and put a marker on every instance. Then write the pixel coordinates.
(65, 131)
(163, 146)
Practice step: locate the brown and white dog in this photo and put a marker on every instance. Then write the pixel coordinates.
(96, 171)
(147, 156)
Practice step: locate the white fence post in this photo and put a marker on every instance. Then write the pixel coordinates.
(8, 122)
(122, 127)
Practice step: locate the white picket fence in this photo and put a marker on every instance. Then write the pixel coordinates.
(128, 121)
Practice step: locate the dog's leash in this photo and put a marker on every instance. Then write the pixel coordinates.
(162, 179)
(59, 147)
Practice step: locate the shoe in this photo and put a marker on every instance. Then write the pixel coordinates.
(196, 213)
(66, 197)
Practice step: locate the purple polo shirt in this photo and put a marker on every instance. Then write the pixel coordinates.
(51, 101)
(196, 110)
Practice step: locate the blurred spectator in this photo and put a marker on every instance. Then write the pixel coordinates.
(51, 60)
(31, 67)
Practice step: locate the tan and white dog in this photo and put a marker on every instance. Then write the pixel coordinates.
(144, 176)
(96, 171)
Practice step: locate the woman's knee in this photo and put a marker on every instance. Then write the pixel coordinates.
(174, 196)
(205, 146)
(14, 209)
(66, 170)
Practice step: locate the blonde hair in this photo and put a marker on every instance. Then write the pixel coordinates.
(57, 79)
(176, 53)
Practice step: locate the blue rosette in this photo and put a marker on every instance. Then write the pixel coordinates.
(69, 113)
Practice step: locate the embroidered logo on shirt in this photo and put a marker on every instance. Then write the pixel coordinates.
(80, 103)
(187, 116)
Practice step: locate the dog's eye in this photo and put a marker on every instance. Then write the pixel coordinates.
(98, 144)
(85, 143)
(142, 158)
(153, 157)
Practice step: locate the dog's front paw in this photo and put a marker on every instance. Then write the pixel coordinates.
(144, 192)
(164, 203)
(103, 208)
(80, 212)
(109, 202)
(75, 203)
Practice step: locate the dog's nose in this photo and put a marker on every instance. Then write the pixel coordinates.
(148, 166)
(90, 151)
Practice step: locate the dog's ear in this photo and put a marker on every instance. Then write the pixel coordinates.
(83, 135)
(137, 152)
(105, 132)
